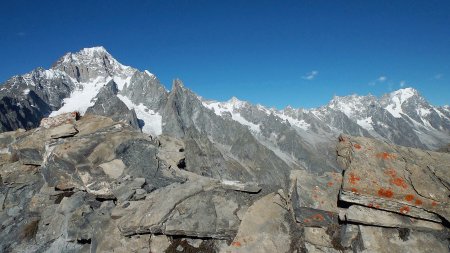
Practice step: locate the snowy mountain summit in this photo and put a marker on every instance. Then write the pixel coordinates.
(92, 81)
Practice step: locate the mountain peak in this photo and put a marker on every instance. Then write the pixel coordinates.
(235, 102)
(90, 63)
(87, 55)
(404, 94)
(93, 50)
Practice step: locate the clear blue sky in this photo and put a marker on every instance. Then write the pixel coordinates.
(276, 53)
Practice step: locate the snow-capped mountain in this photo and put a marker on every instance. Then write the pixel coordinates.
(234, 134)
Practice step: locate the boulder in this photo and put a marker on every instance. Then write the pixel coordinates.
(404, 180)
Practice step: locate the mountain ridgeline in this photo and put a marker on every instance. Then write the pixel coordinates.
(111, 161)
(235, 134)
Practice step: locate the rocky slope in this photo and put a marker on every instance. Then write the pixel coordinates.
(93, 184)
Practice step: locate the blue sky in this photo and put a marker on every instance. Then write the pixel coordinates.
(276, 53)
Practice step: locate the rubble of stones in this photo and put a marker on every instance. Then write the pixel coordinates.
(92, 184)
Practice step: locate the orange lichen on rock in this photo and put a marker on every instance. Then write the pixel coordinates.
(318, 217)
(404, 209)
(354, 190)
(409, 197)
(330, 183)
(391, 172)
(418, 202)
(357, 146)
(353, 178)
(236, 244)
(399, 182)
(385, 193)
(434, 203)
(306, 220)
(386, 156)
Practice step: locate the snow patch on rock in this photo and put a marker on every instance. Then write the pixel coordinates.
(152, 120)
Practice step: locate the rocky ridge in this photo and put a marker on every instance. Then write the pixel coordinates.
(94, 184)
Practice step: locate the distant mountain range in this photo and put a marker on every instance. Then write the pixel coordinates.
(221, 137)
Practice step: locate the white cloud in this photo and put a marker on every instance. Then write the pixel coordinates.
(438, 76)
(402, 83)
(382, 79)
(311, 75)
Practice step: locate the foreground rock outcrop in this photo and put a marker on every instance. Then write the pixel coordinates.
(98, 184)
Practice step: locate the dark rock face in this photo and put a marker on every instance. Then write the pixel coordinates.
(109, 105)
(24, 114)
(25, 100)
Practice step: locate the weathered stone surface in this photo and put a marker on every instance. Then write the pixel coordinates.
(317, 236)
(207, 214)
(266, 227)
(114, 168)
(320, 249)
(371, 216)
(389, 240)
(159, 243)
(404, 180)
(30, 156)
(159, 204)
(61, 131)
(64, 118)
(239, 186)
(314, 198)
(348, 235)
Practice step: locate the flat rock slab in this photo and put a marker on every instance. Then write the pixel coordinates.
(391, 240)
(62, 131)
(314, 198)
(192, 209)
(376, 217)
(405, 180)
(266, 227)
